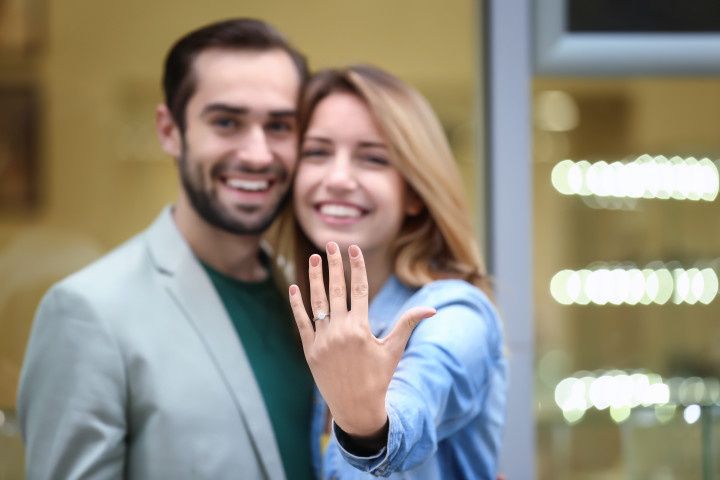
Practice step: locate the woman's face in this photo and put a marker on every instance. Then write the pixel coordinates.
(347, 189)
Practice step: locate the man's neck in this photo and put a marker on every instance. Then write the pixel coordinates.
(230, 254)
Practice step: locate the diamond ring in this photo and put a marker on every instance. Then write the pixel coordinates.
(321, 316)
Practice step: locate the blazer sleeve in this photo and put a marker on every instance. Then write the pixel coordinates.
(72, 395)
(451, 363)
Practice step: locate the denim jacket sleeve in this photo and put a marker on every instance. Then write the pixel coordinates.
(443, 378)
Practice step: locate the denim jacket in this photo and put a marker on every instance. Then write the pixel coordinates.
(446, 400)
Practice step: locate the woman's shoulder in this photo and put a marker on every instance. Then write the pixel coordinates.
(461, 299)
(447, 292)
(466, 318)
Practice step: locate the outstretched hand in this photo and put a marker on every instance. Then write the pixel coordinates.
(351, 367)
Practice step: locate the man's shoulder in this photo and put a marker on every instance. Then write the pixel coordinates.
(127, 263)
(123, 264)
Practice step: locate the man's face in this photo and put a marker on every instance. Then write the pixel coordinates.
(239, 146)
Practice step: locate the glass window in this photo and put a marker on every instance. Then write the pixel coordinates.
(626, 262)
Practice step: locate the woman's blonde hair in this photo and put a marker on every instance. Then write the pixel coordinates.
(439, 242)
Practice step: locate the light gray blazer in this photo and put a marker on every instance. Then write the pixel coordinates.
(134, 370)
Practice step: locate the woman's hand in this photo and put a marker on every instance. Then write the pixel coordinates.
(352, 368)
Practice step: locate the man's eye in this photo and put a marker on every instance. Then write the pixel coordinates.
(225, 123)
(279, 126)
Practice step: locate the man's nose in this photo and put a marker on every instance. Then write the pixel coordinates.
(255, 152)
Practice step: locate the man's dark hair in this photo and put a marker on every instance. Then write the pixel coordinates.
(179, 80)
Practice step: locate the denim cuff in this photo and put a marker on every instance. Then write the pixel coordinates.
(379, 463)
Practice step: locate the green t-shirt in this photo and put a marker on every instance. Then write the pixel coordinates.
(264, 323)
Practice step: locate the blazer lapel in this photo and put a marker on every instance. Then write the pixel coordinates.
(193, 291)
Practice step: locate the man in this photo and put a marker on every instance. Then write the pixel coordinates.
(174, 356)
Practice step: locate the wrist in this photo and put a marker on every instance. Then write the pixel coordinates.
(369, 426)
(363, 446)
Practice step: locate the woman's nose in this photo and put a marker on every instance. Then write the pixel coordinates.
(341, 175)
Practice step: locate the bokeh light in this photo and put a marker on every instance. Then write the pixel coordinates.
(606, 284)
(621, 392)
(691, 414)
(646, 176)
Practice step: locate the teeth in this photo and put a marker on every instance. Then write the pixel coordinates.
(251, 185)
(342, 211)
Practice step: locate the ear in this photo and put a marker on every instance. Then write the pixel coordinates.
(167, 131)
(413, 203)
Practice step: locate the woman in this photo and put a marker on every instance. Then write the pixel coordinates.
(376, 179)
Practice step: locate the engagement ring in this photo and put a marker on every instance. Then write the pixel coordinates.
(321, 316)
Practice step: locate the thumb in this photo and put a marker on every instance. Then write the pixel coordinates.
(398, 338)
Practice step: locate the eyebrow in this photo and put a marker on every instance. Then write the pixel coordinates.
(361, 144)
(225, 108)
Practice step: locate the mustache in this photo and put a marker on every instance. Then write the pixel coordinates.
(276, 169)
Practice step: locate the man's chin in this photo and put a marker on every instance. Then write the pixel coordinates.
(235, 218)
(245, 226)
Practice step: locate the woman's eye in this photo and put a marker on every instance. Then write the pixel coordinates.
(313, 153)
(375, 160)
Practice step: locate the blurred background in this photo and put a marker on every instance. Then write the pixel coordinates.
(80, 167)
(623, 171)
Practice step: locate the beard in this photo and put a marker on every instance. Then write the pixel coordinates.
(206, 203)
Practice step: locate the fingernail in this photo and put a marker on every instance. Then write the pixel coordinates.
(331, 247)
(293, 289)
(314, 260)
(354, 251)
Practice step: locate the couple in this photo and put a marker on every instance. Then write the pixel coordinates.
(175, 355)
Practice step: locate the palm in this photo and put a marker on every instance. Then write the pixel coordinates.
(352, 368)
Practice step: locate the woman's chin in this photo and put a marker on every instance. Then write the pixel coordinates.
(343, 243)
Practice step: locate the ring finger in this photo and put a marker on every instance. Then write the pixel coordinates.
(318, 298)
